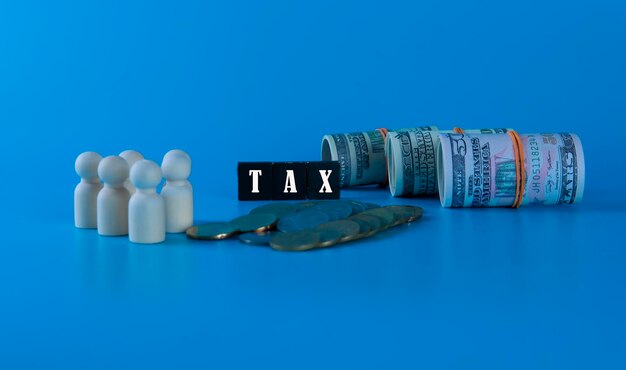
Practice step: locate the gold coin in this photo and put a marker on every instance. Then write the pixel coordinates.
(295, 240)
(417, 213)
(211, 231)
(349, 229)
(411, 213)
(373, 221)
(386, 216)
(277, 209)
(329, 238)
(402, 214)
(256, 222)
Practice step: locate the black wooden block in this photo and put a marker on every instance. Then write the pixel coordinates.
(289, 180)
(323, 180)
(255, 180)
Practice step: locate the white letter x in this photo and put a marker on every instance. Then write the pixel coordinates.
(325, 186)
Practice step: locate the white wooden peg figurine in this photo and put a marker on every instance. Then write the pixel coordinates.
(131, 157)
(86, 192)
(113, 198)
(146, 210)
(177, 191)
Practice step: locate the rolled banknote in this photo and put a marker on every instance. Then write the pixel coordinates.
(554, 166)
(361, 156)
(412, 160)
(478, 170)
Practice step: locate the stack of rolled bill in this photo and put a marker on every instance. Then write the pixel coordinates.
(412, 159)
(501, 168)
(405, 157)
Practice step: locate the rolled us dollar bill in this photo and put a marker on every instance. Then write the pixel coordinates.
(479, 170)
(554, 166)
(361, 156)
(412, 158)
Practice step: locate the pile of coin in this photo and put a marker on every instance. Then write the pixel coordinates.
(308, 225)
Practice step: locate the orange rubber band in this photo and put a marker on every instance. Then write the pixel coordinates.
(520, 173)
(458, 130)
(383, 131)
(517, 174)
(522, 163)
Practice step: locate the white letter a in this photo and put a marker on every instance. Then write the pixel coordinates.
(290, 182)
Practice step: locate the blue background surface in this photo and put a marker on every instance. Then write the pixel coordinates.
(230, 81)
